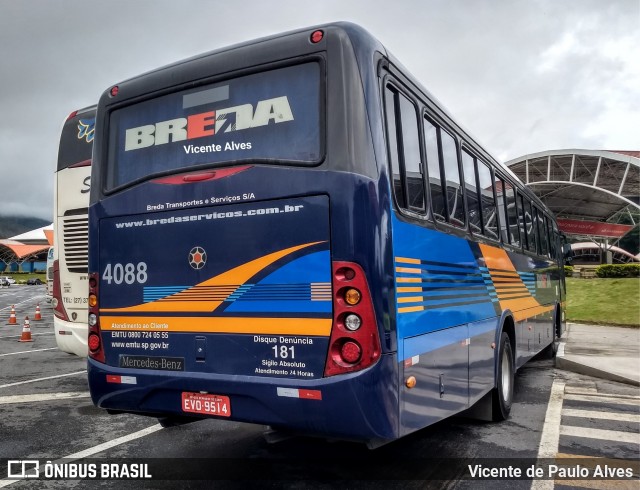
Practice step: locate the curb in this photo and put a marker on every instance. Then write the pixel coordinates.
(561, 362)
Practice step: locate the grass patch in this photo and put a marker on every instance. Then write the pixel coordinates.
(604, 301)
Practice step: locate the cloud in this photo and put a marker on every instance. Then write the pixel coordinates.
(522, 75)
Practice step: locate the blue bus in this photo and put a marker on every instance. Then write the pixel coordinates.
(293, 232)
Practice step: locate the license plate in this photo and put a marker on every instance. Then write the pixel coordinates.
(206, 404)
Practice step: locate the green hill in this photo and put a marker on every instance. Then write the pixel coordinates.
(16, 225)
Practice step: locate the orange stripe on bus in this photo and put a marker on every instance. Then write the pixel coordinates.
(409, 290)
(408, 270)
(411, 299)
(276, 326)
(410, 309)
(409, 279)
(406, 260)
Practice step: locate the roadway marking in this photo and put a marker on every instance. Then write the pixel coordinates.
(42, 379)
(603, 435)
(27, 351)
(551, 430)
(43, 397)
(25, 301)
(591, 462)
(550, 437)
(617, 399)
(591, 414)
(32, 334)
(97, 449)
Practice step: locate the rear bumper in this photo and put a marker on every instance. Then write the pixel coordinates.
(71, 337)
(362, 405)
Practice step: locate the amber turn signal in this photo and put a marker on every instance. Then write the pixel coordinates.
(352, 296)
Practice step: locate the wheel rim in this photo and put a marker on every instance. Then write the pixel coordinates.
(506, 376)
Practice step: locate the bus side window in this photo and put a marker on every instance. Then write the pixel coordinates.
(471, 191)
(552, 240)
(433, 166)
(542, 233)
(451, 168)
(512, 215)
(392, 138)
(523, 223)
(530, 224)
(489, 218)
(411, 155)
(502, 207)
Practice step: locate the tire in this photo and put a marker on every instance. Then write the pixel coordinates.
(503, 392)
(550, 351)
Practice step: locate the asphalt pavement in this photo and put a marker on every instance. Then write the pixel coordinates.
(601, 351)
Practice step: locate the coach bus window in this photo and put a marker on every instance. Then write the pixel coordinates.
(489, 220)
(471, 191)
(542, 233)
(512, 215)
(552, 241)
(411, 154)
(452, 179)
(392, 133)
(530, 224)
(502, 211)
(273, 117)
(433, 166)
(523, 222)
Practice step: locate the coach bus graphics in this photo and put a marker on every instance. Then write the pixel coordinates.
(293, 232)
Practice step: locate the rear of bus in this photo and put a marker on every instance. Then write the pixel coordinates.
(71, 201)
(238, 241)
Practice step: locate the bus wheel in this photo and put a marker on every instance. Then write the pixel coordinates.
(550, 351)
(503, 393)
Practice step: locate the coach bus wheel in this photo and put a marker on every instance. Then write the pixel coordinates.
(503, 393)
(175, 421)
(551, 350)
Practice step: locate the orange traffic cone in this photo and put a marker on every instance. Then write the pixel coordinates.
(38, 316)
(12, 316)
(26, 331)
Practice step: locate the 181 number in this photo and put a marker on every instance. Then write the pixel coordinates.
(127, 273)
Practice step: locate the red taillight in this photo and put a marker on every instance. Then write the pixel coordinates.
(114, 91)
(356, 347)
(350, 352)
(316, 36)
(58, 305)
(72, 115)
(94, 342)
(95, 345)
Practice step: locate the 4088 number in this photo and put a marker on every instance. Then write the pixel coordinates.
(125, 273)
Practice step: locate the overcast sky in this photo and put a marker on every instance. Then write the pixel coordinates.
(521, 75)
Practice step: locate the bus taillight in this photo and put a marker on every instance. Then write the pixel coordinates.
(95, 345)
(355, 343)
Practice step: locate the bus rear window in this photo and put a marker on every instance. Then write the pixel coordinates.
(270, 117)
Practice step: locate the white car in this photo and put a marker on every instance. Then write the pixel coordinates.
(7, 281)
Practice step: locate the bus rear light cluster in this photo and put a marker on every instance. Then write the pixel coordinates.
(354, 343)
(96, 350)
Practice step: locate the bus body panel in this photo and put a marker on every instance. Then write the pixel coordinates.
(71, 201)
(242, 289)
(360, 406)
(450, 296)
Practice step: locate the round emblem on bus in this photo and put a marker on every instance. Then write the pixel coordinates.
(197, 257)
